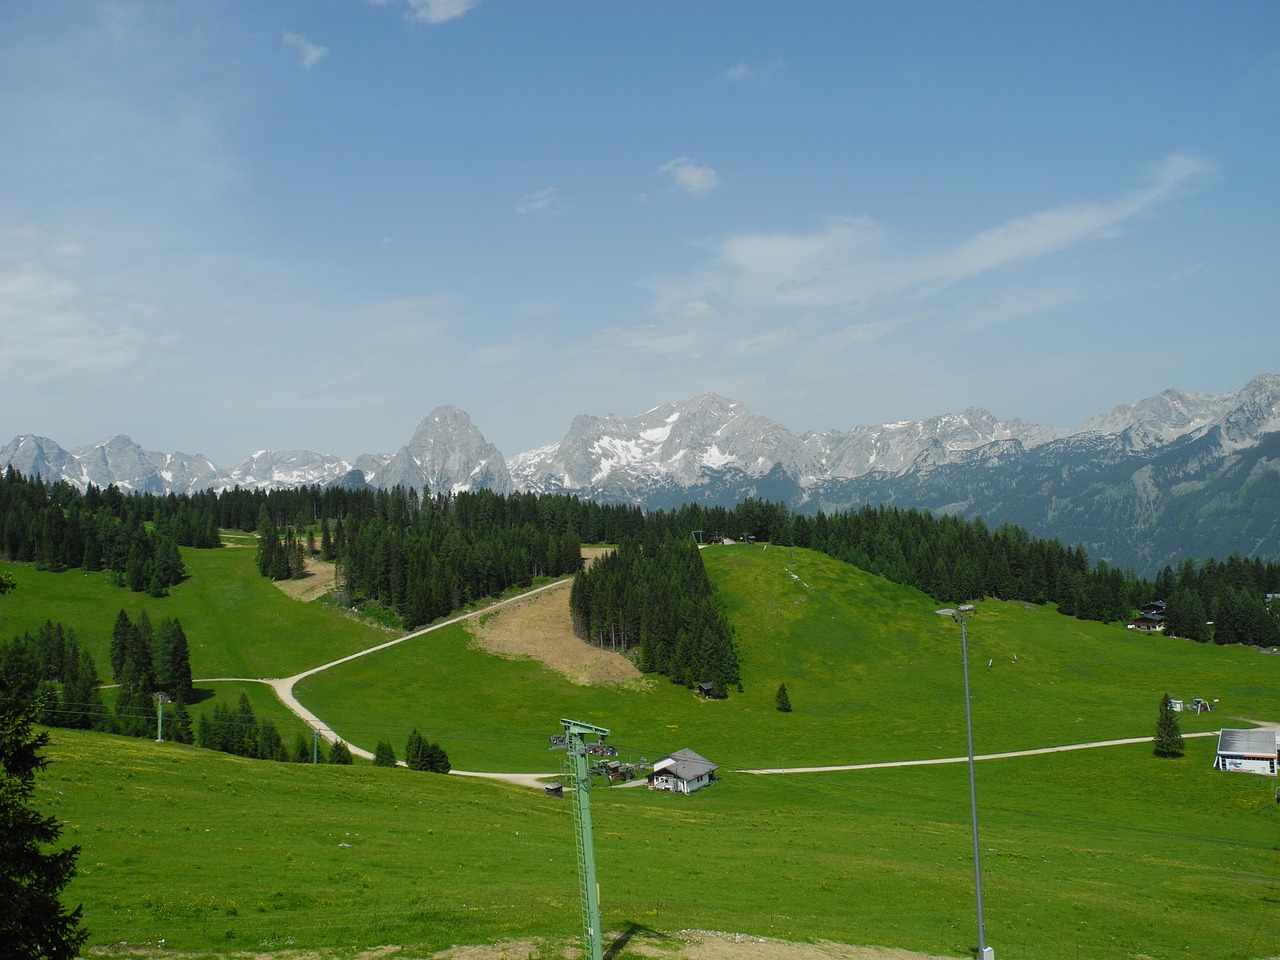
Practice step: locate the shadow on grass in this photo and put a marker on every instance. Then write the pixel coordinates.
(620, 942)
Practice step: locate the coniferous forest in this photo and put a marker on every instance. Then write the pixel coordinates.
(654, 597)
(422, 556)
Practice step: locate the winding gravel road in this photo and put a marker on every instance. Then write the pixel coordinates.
(284, 686)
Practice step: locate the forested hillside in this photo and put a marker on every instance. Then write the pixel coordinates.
(422, 556)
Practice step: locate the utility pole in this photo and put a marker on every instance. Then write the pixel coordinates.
(315, 745)
(576, 767)
(161, 699)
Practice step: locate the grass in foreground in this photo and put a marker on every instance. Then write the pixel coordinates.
(1091, 853)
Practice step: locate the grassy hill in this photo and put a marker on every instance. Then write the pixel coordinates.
(1093, 853)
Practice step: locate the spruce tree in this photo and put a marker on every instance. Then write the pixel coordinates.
(415, 751)
(1168, 733)
(437, 761)
(384, 755)
(33, 921)
(783, 700)
(340, 754)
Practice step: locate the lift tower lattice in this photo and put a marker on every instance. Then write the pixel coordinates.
(577, 768)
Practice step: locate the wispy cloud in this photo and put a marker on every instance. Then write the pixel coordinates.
(852, 268)
(744, 72)
(438, 11)
(688, 176)
(541, 201)
(309, 54)
(89, 335)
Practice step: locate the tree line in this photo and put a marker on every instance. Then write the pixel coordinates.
(424, 555)
(57, 528)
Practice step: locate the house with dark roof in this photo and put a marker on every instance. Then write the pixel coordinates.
(1248, 751)
(682, 772)
(1147, 622)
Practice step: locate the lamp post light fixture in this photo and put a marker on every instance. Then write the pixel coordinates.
(961, 615)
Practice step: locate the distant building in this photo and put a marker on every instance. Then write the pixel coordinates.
(1147, 622)
(555, 789)
(682, 772)
(1248, 751)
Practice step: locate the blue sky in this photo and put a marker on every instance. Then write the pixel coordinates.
(227, 226)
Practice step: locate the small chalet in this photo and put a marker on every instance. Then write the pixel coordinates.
(555, 789)
(1155, 606)
(682, 772)
(1147, 622)
(1248, 751)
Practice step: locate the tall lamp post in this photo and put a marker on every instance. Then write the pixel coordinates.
(961, 615)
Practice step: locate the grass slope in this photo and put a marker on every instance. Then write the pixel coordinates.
(237, 623)
(1090, 853)
(1095, 854)
(873, 674)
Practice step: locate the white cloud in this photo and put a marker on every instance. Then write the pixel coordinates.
(850, 267)
(1048, 231)
(438, 11)
(689, 177)
(53, 329)
(309, 54)
(744, 72)
(542, 201)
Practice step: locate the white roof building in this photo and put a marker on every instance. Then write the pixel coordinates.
(682, 772)
(1248, 751)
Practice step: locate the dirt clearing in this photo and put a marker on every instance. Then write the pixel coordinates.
(539, 628)
(316, 581)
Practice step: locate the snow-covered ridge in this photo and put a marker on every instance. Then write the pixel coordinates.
(673, 445)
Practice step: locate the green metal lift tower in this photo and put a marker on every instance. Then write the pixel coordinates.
(577, 769)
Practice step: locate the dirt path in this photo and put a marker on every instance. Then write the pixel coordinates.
(284, 686)
(685, 945)
(984, 756)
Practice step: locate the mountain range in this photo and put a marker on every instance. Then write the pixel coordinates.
(1177, 474)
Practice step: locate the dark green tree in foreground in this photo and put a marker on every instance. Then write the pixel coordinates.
(1168, 732)
(384, 755)
(33, 923)
(419, 754)
(783, 700)
(340, 754)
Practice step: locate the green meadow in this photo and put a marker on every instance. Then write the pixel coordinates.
(1106, 852)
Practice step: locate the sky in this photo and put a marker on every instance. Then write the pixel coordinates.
(305, 224)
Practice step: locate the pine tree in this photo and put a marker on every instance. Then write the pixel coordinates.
(340, 754)
(415, 751)
(173, 661)
(33, 921)
(121, 641)
(384, 755)
(783, 700)
(1168, 733)
(437, 761)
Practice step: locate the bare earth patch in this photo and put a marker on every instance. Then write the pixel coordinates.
(540, 628)
(318, 581)
(688, 945)
(680, 945)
